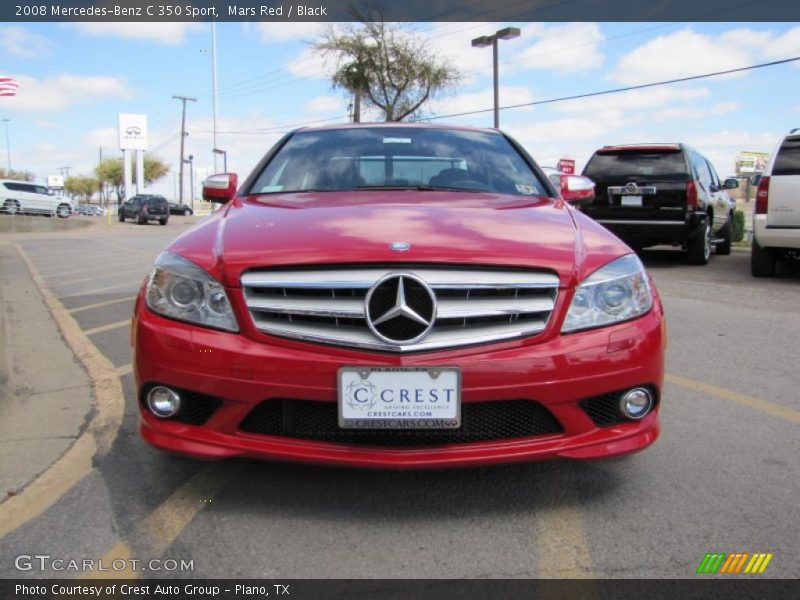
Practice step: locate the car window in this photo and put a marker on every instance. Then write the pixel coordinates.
(701, 166)
(713, 172)
(646, 164)
(788, 160)
(346, 159)
(14, 187)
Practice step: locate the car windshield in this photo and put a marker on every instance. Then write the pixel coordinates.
(662, 166)
(367, 158)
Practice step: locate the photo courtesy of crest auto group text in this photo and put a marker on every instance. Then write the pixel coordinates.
(362, 300)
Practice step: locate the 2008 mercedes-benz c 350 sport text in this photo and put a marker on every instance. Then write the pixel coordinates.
(398, 296)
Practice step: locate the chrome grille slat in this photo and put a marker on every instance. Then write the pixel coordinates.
(474, 306)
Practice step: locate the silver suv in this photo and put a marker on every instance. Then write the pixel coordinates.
(776, 218)
(25, 197)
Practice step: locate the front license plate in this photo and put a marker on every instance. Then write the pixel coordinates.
(630, 200)
(399, 398)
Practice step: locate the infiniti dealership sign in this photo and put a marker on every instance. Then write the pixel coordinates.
(132, 131)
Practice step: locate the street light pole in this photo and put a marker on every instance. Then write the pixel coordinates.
(190, 160)
(8, 146)
(214, 87)
(183, 100)
(224, 160)
(507, 33)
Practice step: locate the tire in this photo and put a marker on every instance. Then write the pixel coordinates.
(63, 211)
(11, 207)
(723, 248)
(163, 221)
(121, 217)
(762, 261)
(698, 249)
(141, 219)
(187, 212)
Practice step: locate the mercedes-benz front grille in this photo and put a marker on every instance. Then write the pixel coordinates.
(400, 308)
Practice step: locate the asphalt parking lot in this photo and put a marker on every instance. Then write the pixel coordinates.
(721, 478)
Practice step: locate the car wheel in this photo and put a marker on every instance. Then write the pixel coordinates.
(699, 247)
(121, 217)
(141, 219)
(724, 247)
(762, 261)
(11, 207)
(63, 211)
(162, 221)
(187, 212)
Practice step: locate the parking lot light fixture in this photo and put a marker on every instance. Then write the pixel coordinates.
(224, 158)
(507, 33)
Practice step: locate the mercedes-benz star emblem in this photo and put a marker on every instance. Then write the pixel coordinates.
(631, 187)
(400, 308)
(400, 246)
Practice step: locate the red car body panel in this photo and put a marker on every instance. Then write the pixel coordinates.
(248, 367)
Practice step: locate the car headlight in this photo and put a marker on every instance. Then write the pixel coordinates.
(619, 291)
(181, 290)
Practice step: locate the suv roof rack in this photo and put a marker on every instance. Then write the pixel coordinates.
(795, 130)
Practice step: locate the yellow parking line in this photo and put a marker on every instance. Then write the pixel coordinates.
(123, 370)
(772, 408)
(102, 289)
(101, 276)
(101, 304)
(96, 439)
(562, 547)
(109, 327)
(159, 529)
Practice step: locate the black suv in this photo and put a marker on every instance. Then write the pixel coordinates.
(651, 194)
(145, 207)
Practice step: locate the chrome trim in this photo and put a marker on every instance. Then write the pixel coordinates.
(647, 190)
(636, 222)
(308, 304)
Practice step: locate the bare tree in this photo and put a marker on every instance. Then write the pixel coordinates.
(391, 67)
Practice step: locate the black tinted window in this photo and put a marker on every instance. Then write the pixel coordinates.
(639, 166)
(15, 187)
(788, 160)
(373, 157)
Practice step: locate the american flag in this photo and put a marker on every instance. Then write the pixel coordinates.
(8, 87)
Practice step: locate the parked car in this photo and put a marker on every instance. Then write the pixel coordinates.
(31, 198)
(143, 208)
(96, 211)
(400, 296)
(574, 188)
(776, 218)
(180, 209)
(651, 194)
(81, 209)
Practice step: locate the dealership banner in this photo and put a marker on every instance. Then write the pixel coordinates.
(406, 10)
(387, 589)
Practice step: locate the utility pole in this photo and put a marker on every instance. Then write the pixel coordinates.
(214, 88)
(183, 99)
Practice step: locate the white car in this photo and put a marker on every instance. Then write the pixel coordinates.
(26, 197)
(776, 218)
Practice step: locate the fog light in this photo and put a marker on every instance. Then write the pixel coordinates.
(636, 403)
(163, 402)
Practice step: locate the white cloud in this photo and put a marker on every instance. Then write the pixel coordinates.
(695, 112)
(272, 32)
(480, 100)
(784, 46)
(22, 42)
(326, 104)
(62, 91)
(309, 65)
(563, 48)
(680, 54)
(165, 33)
(633, 100)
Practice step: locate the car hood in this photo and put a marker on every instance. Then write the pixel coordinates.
(323, 228)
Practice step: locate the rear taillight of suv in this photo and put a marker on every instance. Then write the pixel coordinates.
(762, 196)
(691, 195)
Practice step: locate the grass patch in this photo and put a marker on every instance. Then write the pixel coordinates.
(34, 224)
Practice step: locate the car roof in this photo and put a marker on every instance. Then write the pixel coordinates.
(19, 181)
(635, 147)
(396, 125)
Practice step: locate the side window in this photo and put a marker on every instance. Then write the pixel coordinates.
(40, 189)
(31, 189)
(714, 176)
(14, 187)
(703, 174)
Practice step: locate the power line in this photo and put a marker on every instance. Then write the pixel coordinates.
(616, 90)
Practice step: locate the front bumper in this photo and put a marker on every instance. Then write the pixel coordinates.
(554, 370)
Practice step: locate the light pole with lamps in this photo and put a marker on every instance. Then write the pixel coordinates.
(8, 146)
(491, 40)
(224, 159)
(190, 160)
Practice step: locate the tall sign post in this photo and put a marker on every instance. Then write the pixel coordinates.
(132, 130)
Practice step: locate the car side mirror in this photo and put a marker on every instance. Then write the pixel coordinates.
(577, 190)
(220, 188)
(755, 179)
(730, 184)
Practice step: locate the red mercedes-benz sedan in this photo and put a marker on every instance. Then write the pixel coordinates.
(398, 296)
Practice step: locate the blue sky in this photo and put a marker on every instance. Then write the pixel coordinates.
(76, 77)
